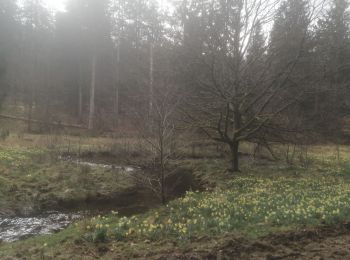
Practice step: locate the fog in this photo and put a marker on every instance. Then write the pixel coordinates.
(167, 125)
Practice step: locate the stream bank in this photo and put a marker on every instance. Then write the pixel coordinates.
(79, 188)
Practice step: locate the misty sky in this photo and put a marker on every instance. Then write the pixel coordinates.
(59, 5)
(55, 4)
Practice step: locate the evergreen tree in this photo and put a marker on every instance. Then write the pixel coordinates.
(291, 54)
(7, 29)
(256, 56)
(290, 35)
(331, 65)
(257, 45)
(333, 39)
(8, 44)
(84, 34)
(37, 28)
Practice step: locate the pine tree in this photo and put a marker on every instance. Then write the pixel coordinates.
(256, 55)
(332, 56)
(290, 45)
(333, 39)
(290, 35)
(257, 46)
(8, 26)
(290, 31)
(85, 29)
(8, 42)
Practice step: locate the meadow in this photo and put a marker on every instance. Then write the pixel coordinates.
(264, 198)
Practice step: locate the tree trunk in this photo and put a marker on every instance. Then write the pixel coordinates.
(237, 116)
(116, 90)
(163, 185)
(80, 94)
(116, 107)
(316, 104)
(48, 93)
(151, 79)
(30, 112)
(92, 93)
(235, 156)
(162, 169)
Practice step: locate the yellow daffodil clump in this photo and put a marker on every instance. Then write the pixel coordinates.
(248, 201)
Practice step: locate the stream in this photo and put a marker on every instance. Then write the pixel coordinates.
(16, 228)
(13, 228)
(127, 169)
(22, 227)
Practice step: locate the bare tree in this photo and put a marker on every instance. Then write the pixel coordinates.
(227, 103)
(161, 136)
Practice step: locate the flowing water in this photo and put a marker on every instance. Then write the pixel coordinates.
(16, 228)
(21, 227)
(127, 169)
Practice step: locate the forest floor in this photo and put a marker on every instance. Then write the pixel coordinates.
(270, 210)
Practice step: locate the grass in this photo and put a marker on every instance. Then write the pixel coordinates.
(247, 205)
(266, 197)
(33, 178)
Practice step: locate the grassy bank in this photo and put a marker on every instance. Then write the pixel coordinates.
(265, 198)
(33, 179)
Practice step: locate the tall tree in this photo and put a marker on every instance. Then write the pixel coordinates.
(37, 28)
(8, 43)
(290, 33)
(85, 30)
(333, 38)
(256, 53)
(291, 47)
(98, 25)
(331, 65)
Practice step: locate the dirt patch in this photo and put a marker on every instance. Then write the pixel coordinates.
(323, 243)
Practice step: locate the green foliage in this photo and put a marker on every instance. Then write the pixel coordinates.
(17, 156)
(100, 234)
